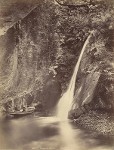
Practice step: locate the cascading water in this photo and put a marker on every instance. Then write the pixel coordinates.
(66, 100)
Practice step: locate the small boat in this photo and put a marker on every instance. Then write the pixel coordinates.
(18, 114)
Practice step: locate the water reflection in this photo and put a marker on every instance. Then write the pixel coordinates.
(47, 134)
(69, 137)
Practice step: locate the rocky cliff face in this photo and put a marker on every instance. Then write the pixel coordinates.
(39, 52)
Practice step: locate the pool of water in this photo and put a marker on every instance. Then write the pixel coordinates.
(48, 133)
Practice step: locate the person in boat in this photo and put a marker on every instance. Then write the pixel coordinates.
(16, 108)
(23, 109)
(23, 105)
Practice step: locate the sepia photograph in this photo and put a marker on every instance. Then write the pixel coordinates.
(56, 74)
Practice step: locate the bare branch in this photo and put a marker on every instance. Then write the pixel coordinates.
(73, 5)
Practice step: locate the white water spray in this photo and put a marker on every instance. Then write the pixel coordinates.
(66, 100)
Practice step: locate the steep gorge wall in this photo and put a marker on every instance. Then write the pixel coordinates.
(29, 51)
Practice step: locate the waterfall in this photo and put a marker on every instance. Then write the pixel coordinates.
(66, 100)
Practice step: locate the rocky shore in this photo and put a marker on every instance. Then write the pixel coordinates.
(101, 123)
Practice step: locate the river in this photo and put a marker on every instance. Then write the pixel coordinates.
(48, 133)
